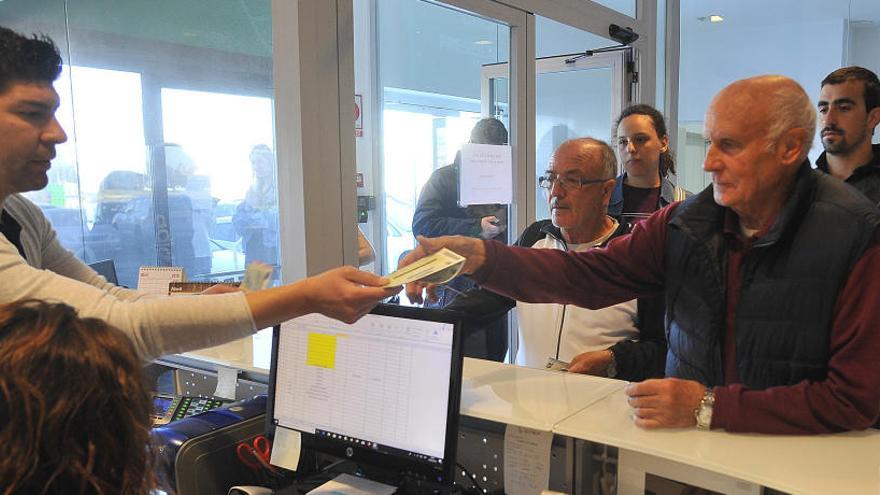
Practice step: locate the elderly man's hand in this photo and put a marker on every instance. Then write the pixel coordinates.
(346, 293)
(591, 363)
(472, 249)
(665, 403)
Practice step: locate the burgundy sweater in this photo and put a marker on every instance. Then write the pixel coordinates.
(632, 266)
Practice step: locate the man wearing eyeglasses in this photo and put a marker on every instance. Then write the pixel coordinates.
(625, 340)
(770, 277)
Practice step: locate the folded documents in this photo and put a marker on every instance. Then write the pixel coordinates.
(438, 268)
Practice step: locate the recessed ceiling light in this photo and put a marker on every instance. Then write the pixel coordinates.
(483, 42)
(711, 18)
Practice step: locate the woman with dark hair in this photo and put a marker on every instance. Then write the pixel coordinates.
(643, 149)
(74, 406)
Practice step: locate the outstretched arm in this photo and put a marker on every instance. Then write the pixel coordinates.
(344, 293)
(631, 266)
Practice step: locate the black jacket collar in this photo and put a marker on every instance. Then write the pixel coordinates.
(871, 167)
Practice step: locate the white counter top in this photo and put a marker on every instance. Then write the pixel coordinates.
(533, 398)
(823, 464)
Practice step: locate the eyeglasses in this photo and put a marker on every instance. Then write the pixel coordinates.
(566, 183)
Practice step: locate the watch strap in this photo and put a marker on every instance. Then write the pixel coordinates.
(611, 369)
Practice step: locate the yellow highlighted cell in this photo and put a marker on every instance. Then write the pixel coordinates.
(322, 350)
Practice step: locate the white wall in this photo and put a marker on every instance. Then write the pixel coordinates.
(864, 50)
(714, 55)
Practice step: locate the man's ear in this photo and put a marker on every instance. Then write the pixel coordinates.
(607, 190)
(873, 119)
(792, 146)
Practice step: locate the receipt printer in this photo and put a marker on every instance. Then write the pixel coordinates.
(197, 454)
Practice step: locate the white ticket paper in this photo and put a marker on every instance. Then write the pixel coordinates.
(438, 268)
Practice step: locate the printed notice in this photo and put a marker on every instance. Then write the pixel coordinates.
(322, 350)
(437, 268)
(526, 460)
(285, 448)
(227, 380)
(486, 175)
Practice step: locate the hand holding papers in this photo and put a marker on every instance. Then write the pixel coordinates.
(440, 267)
(473, 251)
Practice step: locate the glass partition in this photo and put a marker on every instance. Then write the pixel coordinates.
(170, 159)
(421, 90)
(428, 65)
(574, 96)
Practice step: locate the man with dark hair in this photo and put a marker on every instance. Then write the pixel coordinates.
(770, 277)
(624, 341)
(34, 265)
(438, 212)
(849, 109)
(27, 59)
(489, 131)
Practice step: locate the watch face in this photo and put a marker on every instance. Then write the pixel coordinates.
(611, 370)
(704, 416)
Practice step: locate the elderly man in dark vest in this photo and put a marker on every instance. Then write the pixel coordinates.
(770, 277)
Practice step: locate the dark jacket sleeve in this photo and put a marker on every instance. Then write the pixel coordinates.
(437, 212)
(644, 358)
(480, 307)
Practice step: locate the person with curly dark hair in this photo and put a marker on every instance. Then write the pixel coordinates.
(74, 405)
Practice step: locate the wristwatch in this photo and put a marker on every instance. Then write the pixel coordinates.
(703, 414)
(611, 369)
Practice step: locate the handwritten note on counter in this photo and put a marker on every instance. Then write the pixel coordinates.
(526, 460)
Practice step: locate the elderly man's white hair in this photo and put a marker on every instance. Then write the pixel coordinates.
(790, 108)
(585, 145)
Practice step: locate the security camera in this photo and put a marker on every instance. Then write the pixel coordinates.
(622, 35)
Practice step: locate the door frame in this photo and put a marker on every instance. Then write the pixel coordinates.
(616, 61)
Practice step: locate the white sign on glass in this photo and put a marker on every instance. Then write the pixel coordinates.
(486, 175)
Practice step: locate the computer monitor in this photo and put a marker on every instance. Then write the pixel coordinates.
(383, 391)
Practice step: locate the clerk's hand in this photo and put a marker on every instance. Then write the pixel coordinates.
(591, 363)
(345, 293)
(472, 249)
(665, 403)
